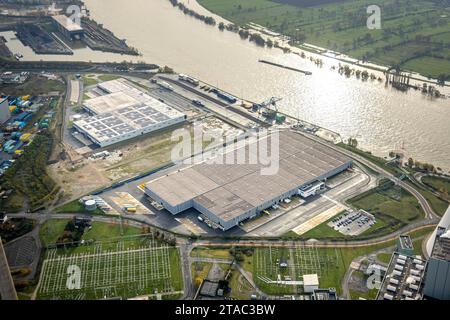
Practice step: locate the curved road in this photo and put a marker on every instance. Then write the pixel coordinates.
(430, 214)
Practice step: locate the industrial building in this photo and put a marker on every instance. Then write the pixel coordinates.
(4, 110)
(310, 283)
(227, 194)
(68, 27)
(122, 112)
(437, 278)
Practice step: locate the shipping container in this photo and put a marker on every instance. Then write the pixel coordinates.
(25, 137)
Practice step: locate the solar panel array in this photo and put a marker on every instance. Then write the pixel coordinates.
(124, 110)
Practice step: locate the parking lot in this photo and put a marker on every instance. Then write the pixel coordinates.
(353, 223)
(276, 222)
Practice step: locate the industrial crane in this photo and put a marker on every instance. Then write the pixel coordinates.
(269, 112)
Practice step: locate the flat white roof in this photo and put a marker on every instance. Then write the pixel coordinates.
(67, 23)
(310, 280)
(123, 111)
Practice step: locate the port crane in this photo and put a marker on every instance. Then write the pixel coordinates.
(267, 105)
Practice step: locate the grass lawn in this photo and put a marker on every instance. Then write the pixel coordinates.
(438, 205)
(428, 66)
(211, 253)
(175, 269)
(441, 186)
(104, 231)
(51, 230)
(108, 77)
(369, 295)
(390, 203)
(76, 207)
(384, 257)
(54, 228)
(89, 80)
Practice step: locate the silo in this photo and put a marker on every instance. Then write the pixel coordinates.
(90, 205)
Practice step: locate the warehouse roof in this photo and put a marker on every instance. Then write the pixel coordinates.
(67, 23)
(229, 190)
(123, 109)
(310, 280)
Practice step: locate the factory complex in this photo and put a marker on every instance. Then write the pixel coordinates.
(121, 112)
(227, 194)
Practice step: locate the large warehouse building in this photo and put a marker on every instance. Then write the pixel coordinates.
(122, 112)
(230, 193)
(68, 27)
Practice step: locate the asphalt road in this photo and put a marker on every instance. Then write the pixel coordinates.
(430, 214)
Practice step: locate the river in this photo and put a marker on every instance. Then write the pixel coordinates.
(382, 119)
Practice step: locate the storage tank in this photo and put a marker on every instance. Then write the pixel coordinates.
(419, 267)
(415, 272)
(387, 296)
(414, 287)
(398, 267)
(393, 281)
(407, 293)
(391, 288)
(396, 273)
(401, 262)
(90, 205)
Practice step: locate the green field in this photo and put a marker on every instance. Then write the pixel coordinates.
(391, 204)
(122, 268)
(384, 257)
(211, 253)
(76, 207)
(439, 185)
(393, 207)
(410, 31)
(438, 204)
(52, 229)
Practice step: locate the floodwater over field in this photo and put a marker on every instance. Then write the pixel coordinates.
(382, 119)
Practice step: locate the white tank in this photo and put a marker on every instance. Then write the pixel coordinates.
(90, 205)
(387, 296)
(394, 281)
(391, 288)
(415, 272)
(414, 286)
(407, 293)
(398, 267)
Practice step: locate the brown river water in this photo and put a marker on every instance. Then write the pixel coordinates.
(382, 119)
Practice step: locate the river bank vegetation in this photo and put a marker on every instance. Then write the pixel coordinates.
(414, 35)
